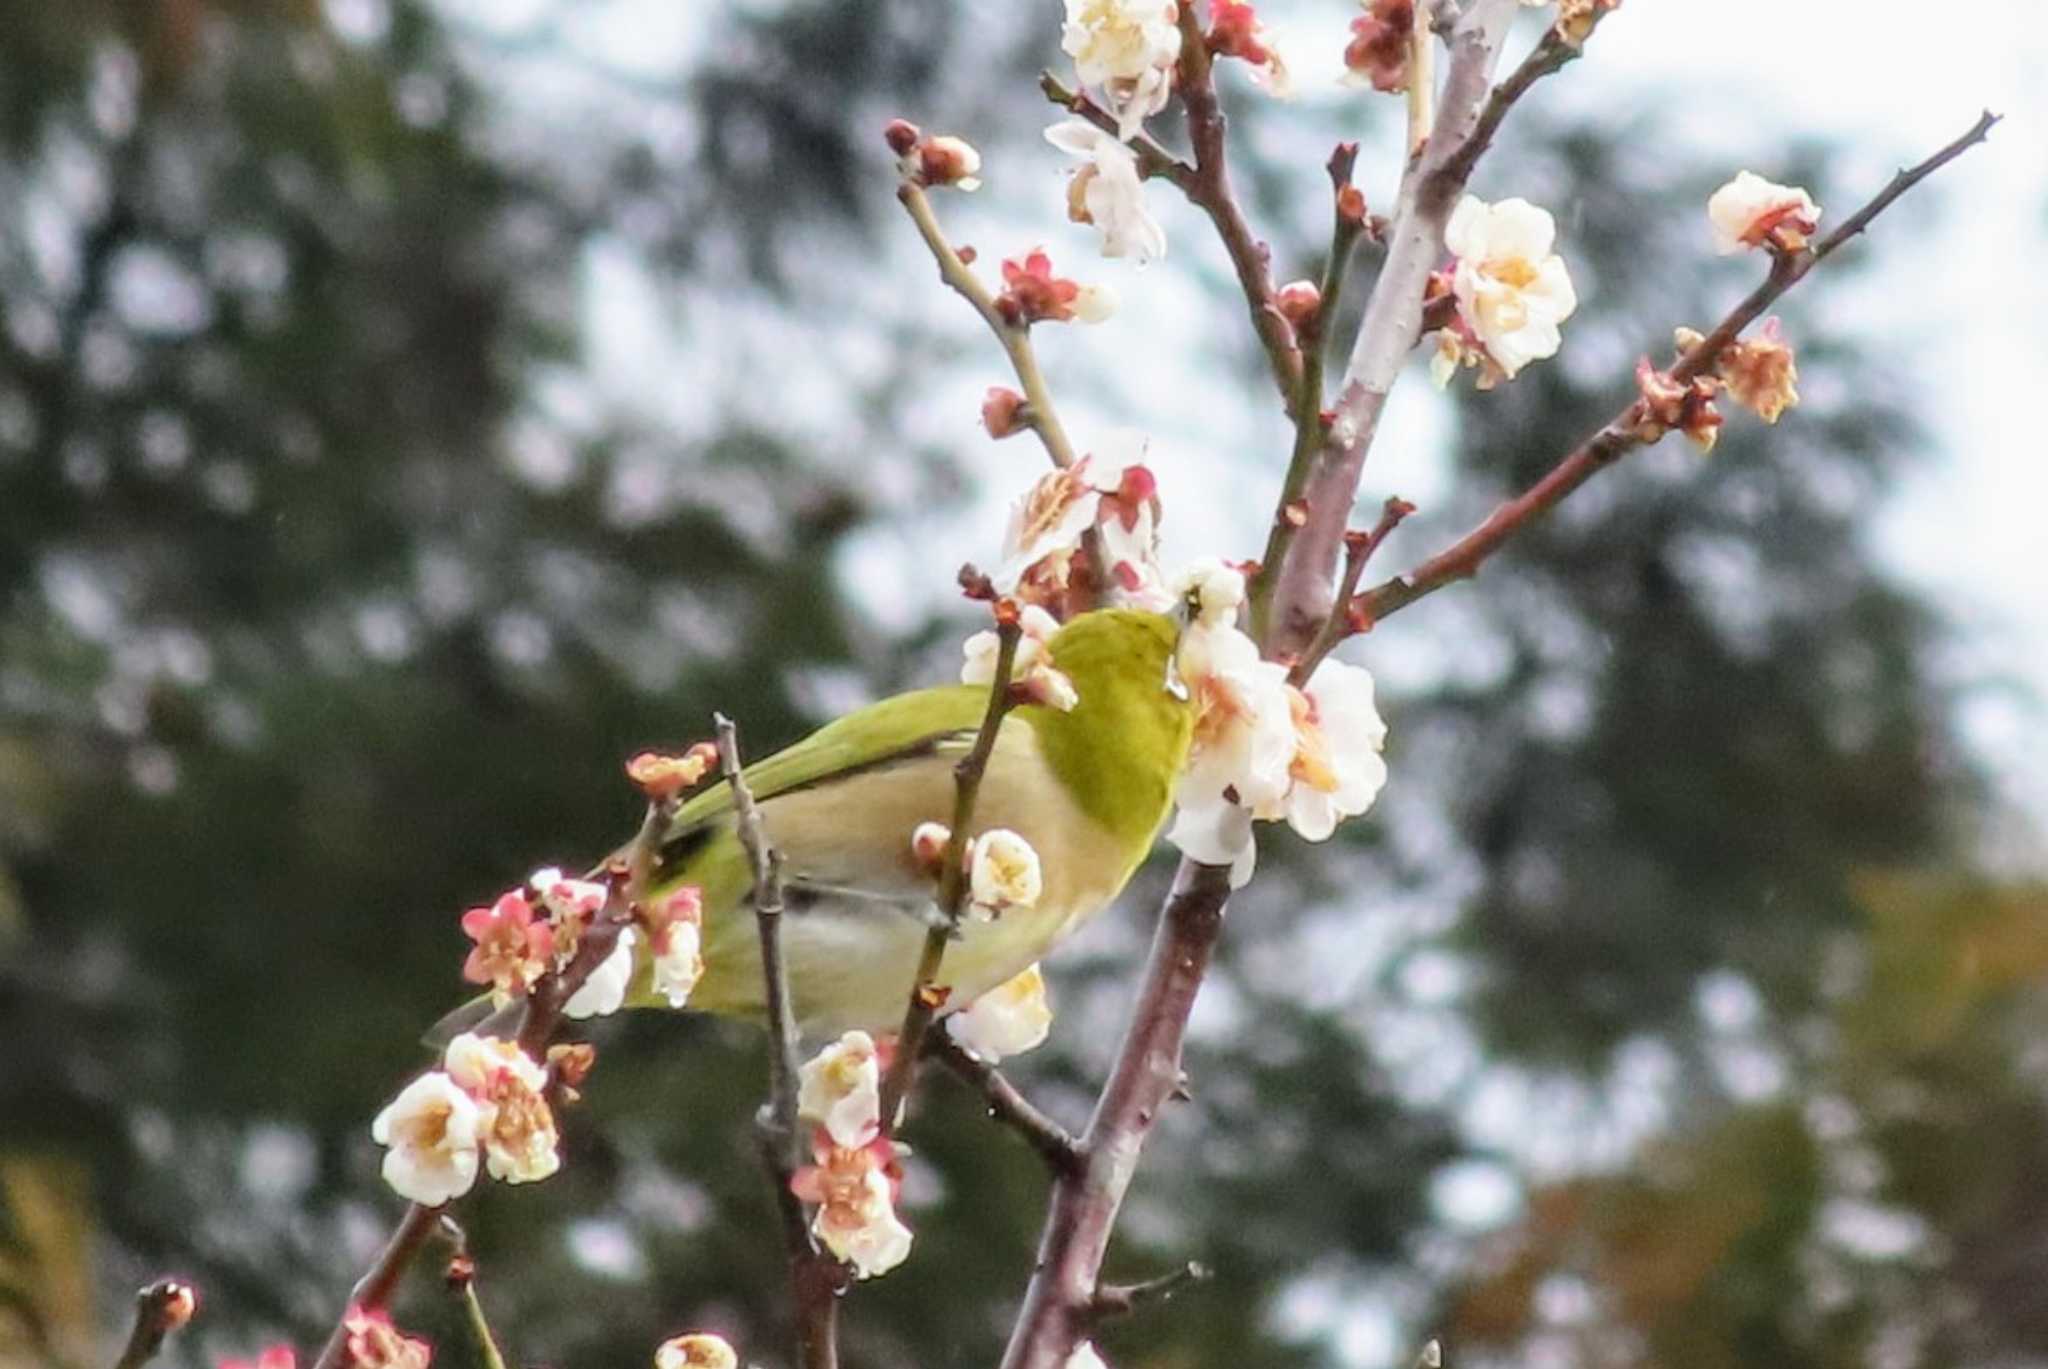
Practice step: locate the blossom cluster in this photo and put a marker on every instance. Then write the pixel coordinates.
(1265, 747)
(536, 929)
(487, 1103)
(855, 1175)
(1003, 871)
(1044, 565)
(1511, 290)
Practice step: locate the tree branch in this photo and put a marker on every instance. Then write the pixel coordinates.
(816, 1280)
(1154, 161)
(1344, 617)
(926, 997)
(1619, 435)
(1122, 1299)
(1053, 1142)
(1060, 1303)
(1209, 190)
(160, 1308)
(1393, 318)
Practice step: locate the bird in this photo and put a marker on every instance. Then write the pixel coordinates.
(1089, 788)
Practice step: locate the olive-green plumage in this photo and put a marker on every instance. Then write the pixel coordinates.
(1089, 788)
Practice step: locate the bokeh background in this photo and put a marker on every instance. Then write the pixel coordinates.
(407, 410)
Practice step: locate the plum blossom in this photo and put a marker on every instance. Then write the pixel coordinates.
(1002, 873)
(1085, 1357)
(1667, 403)
(675, 944)
(1031, 293)
(1235, 30)
(512, 949)
(1512, 290)
(516, 1127)
(1213, 591)
(433, 1130)
(1126, 48)
(661, 776)
(374, 1343)
(698, 1351)
(855, 1190)
(1008, 1020)
(1337, 771)
(1760, 371)
(1750, 211)
(1377, 54)
(1576, 18)
(604, 991)
(1244, 741)
(1107, 192)
(840, 1088)
(1120, 502)
(1034, 677)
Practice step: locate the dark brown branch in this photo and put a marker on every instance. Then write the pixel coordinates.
(1154, 161)
(1619, 435)
(160, 1308)
(1209, 190)
(816, 1280)
(1008, 1106)
(1122, 1299)
(1059, 1305)
(926, 997)
(1553, 54)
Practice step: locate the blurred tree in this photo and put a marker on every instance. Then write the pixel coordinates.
(335, 577)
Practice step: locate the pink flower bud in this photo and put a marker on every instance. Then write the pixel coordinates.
(1299, 301)
(902, 136)
(946, 160)
(1002, 412)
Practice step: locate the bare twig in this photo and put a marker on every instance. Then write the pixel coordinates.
(1344, 617)
(1053, 1142)
(1209, 189)
(461, 1281)
(926, 997)
(1619, 435)
(1348, 221)
(160, 1308)
(1552, 53)
(816, 1279)
(1421, 81)
(1122, 1299)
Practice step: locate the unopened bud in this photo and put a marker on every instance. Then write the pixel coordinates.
(1351, 206)
(975, 584)
(1002, 412)
(902, 136)
(176, 1302)
(1007, 612)
(1299, 301)
(946, 160)
(571, 1062)
(928, 845)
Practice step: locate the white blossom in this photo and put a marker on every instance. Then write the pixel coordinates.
(517, 1128)
(1214, 590)
(1512, 290)
(1243, 747)
(1337, 769)
(841, 1089)
(604, 992)
(699, 1351)
(679, 964)
(1008, 1020)
(431, 1128)
(1127, 48)
(864, 1230)
(1107, 192)
(1750, 211)
(1003, 872)
(1085, 1357)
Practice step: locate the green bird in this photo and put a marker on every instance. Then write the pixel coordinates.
(1089, 788)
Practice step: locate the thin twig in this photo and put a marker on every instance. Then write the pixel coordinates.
(1344, 618)
(1008, 1106)
(816, 1279)
(1552, 54)
(1209, 190)
(1421, 81)
(926, 997)
(1122, 1299)
(160, 1308)
(1347, 226)
(1620, 434)
(461, 1281)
